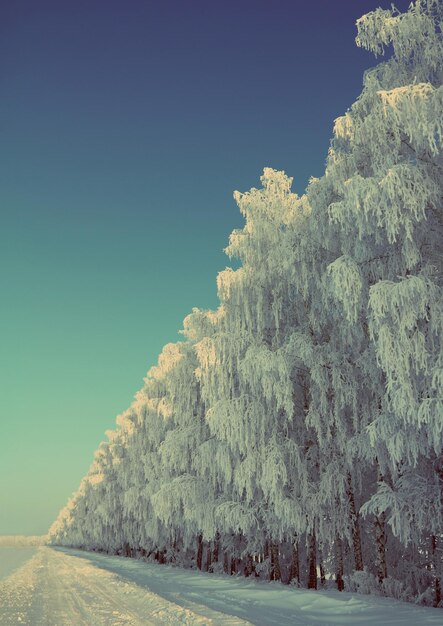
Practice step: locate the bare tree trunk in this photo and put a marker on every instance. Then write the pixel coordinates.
(312, 561)
(339, 563)
(356, 538)
(275, 573)
(199, 551)
(294, 570)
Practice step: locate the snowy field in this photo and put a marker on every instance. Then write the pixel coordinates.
(67, 587)
(12, 558)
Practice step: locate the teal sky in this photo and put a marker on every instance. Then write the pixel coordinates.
(124, 129)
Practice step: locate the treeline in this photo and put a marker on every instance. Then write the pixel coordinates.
(21, 541)
(296, 433)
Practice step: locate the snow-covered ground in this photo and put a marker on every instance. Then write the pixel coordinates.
(68, 587)
(12, 558)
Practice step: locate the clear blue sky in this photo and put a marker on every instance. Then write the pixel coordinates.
(124, 129)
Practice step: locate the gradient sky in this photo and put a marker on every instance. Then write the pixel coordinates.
(124, 128)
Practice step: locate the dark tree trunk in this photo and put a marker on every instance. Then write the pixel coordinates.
(160, 556)
(199, 551)
(216, 547)
(356, 538)
(312, 561)
(339, 563)
(226, 562)
(380, 539)
(233, 565)
(294, 570)
(208, 562)
(320, 563)
(275, 573)
(436, 568)
(438, 466)
(322, 572)
(380, 543)
(249, 565)
(173, 557)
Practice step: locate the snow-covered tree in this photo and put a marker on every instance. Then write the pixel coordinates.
(302, 421)
(383, 185)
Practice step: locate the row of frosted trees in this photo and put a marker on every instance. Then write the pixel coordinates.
(296, 433)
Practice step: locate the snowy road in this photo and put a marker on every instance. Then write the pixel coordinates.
(73, 588)
(58, 589)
